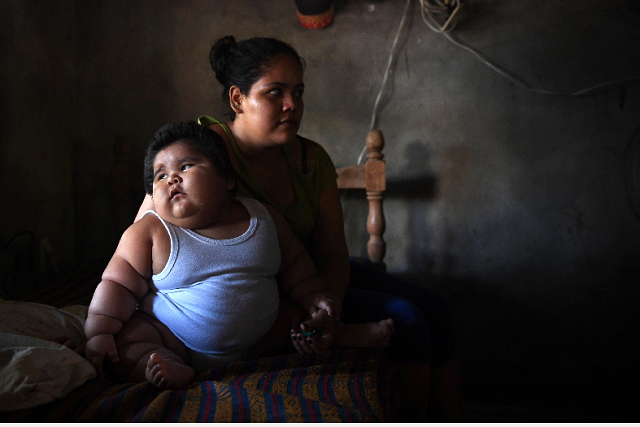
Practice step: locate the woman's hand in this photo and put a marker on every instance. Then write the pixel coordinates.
(318, 334)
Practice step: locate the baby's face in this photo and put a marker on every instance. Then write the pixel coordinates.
(188, 191)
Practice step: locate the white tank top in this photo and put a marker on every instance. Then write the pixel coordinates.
(219, 296)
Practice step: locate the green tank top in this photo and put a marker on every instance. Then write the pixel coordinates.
(321, 173)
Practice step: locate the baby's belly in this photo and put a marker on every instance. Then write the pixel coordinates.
(214, 318)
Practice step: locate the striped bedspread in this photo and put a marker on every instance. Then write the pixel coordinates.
(336, 386)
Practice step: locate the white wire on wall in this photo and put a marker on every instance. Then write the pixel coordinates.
(387, 71)
(441, 17)
(429, 10)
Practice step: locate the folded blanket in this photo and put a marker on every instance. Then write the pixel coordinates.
(34, 368)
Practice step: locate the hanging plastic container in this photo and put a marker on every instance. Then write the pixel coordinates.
(315, 14)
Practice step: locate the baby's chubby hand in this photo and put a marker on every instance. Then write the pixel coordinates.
(98, 348)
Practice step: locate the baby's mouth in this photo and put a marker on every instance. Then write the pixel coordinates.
(175, 193)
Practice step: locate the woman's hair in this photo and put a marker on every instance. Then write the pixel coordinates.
(242, 64)
(197, 136)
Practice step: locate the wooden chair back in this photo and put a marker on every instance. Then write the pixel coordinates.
(370, 177)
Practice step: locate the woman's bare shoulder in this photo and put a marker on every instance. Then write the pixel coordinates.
(217, 128)
(302, 143)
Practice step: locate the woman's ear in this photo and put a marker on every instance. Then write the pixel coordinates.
(235, 98)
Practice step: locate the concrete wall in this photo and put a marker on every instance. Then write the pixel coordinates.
(38, 102)
(509, 202)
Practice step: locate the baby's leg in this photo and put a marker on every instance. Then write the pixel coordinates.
(364, 335)
(149, 351)
(359, 335)
(276, 341)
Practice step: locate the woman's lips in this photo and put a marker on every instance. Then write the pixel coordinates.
(289, 123)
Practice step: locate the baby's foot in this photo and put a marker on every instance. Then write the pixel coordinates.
(366, 335)
(168, 373)
(380, 333)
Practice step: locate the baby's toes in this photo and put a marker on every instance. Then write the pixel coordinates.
(154, 373)
(388, 324)
(157, 378)
(154, 360)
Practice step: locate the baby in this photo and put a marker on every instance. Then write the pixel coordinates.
(196, 283)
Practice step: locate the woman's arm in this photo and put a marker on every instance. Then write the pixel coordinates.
(147, 205)
(297, 274)
(329, 245)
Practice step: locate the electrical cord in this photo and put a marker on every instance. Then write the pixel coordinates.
(451, 8)
(448, 9)
(387, 71)
(441, 16)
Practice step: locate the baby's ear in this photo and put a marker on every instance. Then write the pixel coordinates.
(231, 184)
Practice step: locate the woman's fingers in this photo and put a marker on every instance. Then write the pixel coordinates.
(301, 343)
(295, 338)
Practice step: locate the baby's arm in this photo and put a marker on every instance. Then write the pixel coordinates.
(298, 273)
(124, 282)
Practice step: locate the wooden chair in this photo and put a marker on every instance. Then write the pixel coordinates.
(370, 177)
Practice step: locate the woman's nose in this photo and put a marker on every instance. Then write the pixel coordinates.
(289, 103)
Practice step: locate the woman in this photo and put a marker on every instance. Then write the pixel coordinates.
(263, 84)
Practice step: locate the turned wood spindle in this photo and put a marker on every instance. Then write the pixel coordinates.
(375, 185)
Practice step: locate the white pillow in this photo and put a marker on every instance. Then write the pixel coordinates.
(34, 369)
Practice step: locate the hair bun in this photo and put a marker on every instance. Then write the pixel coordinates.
(220, 52)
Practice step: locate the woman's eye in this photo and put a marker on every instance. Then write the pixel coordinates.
(299, 93)
(275, 92)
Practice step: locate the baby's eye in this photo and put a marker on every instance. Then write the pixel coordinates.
(185, 167)
(161, 176)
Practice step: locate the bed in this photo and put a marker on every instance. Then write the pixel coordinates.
(43, 380)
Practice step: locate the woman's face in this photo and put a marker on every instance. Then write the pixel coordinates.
(272, 110)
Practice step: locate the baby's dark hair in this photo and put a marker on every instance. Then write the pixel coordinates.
(242, 63)
(199, 137)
